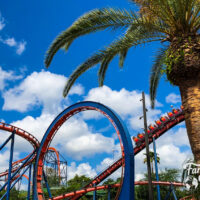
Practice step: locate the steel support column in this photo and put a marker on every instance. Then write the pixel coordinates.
(47, 185)
(8, 139)
(95, 194)
(10, 164)
(109, 193)
(29, 182)
(156, 168)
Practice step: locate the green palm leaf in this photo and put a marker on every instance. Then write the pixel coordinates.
(103, 69)
(95, 59)
(93, 21)
(105, 56)
(156, 73)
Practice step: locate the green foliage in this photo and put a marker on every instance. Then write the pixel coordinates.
(95, 20)
(152, 159)
(141, 192)
(170, 175)
(52, 177)
(72, 185)
(14, 194)
(172, 58)
(78, 182)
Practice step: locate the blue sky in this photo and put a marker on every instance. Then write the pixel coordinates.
(31, 96)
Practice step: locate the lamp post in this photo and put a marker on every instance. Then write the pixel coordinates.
(150, 186)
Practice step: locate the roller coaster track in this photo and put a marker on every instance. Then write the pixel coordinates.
(64, 116)
(162, 125)
(103, 187)
(154, 131)
(159, 130)
(27, 136)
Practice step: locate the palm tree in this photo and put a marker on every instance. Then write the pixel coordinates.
(152, 159)
(175, 23)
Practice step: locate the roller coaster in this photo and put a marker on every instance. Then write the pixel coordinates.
(35, 161)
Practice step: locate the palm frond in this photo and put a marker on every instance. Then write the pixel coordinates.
(131, 38)
(95, 59)
(156, 74)
(122, 57)
(103, 69)
(93, 21)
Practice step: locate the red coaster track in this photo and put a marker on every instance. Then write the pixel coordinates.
(24, 134)
(174, 117)
(162, 125)
(104, 187)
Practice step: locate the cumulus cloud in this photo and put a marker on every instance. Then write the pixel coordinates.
(38, 89)
(10, 42)
(105, 163)
(7, 76)
(74, 138)
(89, 145)
(173, 98)
(176, 137)
(5, 156)
(81, 169)
(171, 156)
(126, 103)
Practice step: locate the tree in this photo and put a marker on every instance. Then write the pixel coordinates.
(77, 182)
(152, 159)
(175, 23)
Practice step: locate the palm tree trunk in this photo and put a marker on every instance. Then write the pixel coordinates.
(190, 94)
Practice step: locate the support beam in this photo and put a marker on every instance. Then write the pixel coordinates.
(147, 149)
(95, 194)
(29, 182)
(47, 185)
(10, 164)
(156, 168)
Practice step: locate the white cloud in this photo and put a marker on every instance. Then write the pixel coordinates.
(10, 42)
(7, 76)
(2, 23)
(89, 145)
(4, 157)
(74, 138)
(38, 89)
(21, 46)
(105, 164)
(173, 98)
(81, 169)
(126, 103)
(171, 156)
(173, 137)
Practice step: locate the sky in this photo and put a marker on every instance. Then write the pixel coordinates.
(31, 95)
